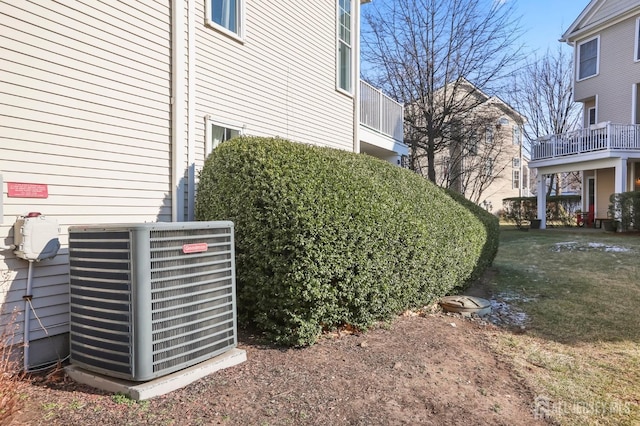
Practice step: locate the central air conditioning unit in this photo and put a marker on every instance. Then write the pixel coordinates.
(151, 299)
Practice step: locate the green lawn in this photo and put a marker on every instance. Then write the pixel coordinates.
(580, 291)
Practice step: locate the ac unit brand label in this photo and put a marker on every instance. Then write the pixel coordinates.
(195, 248)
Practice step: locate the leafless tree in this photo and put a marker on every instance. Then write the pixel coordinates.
(425, 52)
(476, 154)
(543, 91)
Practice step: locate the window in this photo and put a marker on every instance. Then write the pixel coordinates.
(344, 46)
(516, 162)
(637, 39)
(517, 134)
(503, 121)
(525, 178)
(226, 16)
(473, 143)
(515, 180)
(215, 134)
(488, 167)
(588, 58)
(488, 134)
(592, 115)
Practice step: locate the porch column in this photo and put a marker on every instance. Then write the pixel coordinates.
(542, 201)
(621, 176)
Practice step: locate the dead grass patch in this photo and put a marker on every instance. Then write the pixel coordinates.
(580, 353)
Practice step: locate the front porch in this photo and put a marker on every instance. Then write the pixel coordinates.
(607, 155)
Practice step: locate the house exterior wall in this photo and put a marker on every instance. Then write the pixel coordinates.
(618, 73)
(503, 185)
(605, 181)
(277, 82)
(501, 151)
(85, 111)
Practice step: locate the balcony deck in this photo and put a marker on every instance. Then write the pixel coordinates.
(600, 137)
(380, 113)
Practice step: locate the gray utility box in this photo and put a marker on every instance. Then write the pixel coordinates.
(36, 237)
(151, 299)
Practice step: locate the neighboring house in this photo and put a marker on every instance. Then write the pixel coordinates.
(109, 110)
(606, 41)
(483, 158)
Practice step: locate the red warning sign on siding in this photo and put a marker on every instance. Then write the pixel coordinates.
(27, 190)
(195, 248)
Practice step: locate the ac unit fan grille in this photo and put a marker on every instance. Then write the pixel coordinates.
(100, 278)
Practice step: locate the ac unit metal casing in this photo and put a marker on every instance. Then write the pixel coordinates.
(150, 299)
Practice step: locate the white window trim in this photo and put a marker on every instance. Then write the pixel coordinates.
(351, 45)
(597, 59)
(636, 51)
(515, 162)
(208, 122)
(514, 179)
(241, 14)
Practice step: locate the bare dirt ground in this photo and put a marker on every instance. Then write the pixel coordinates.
(429, 369)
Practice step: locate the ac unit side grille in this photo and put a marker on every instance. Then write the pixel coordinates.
(144, 302)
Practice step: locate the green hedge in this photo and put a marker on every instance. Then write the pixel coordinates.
(560, 208)
(327, 237)
(625, 209)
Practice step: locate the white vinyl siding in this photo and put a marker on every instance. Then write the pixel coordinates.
(279, 82)
(588, 58)
(637, 40)
(85, 111)
(617, 73)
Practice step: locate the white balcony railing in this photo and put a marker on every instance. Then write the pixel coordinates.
(380, 113)
(599, 137)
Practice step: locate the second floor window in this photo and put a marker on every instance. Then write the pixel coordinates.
(344, 45)
(226, 15)
(488, 134)
(588, 58)
(516, 135)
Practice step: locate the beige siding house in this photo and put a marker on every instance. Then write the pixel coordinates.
(484, 160)
(606, 41)
(109, 110)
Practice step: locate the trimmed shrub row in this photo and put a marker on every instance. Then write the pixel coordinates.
(625, 208)
(326, 238)
(560, 208)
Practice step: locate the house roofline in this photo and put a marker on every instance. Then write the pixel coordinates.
(573, 32)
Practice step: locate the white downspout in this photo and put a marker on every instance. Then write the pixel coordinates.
(356, 79)
(191, 123)
(177, 109)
